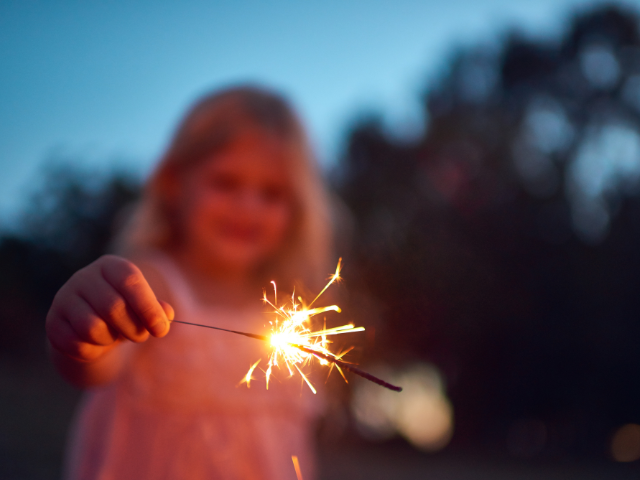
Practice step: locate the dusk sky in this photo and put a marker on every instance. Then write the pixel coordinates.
(105, 82)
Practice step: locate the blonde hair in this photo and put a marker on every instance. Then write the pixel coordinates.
(211, 124)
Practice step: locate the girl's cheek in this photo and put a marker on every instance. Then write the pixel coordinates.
(200, 215)
(280, 223)
(211, 206)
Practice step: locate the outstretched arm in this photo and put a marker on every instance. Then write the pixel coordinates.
(96, 313)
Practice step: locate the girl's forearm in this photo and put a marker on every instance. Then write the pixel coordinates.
(93, 374)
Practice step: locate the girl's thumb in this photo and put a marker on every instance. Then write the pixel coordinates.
(168, 310)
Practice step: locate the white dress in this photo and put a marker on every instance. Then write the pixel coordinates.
(178, 411)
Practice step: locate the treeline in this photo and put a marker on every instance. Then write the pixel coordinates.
(503, 244)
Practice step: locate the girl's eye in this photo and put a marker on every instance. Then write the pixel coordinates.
(225, 183)
(272, 194)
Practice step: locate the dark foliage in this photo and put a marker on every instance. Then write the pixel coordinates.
(68, 225)
(503, 244)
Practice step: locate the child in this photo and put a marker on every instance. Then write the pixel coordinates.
(235, 203)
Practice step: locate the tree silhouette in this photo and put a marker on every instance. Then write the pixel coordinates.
(502, 245)
(69, 223)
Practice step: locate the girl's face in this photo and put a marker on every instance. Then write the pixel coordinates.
(237, 206)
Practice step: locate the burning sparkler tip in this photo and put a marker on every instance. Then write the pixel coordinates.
(295, 344)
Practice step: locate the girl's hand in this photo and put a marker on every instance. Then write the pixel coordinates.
(100, 305)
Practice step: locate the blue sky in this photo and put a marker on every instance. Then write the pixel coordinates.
(105, 82)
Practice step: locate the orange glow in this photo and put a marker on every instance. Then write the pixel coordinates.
(422, 414)
(625, 444)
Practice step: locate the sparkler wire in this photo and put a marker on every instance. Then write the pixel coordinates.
(250, 335)
(311, 351)
(348, 366)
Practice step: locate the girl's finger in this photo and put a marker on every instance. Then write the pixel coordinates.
(128, 281)
(168, 310)
(113, 309)
(64, 339)
(88, 325)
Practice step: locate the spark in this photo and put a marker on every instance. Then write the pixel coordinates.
(296, 466)
(294, 344)
(304, 377)
(247, 378)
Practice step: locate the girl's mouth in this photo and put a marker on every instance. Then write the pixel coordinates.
(240, 233)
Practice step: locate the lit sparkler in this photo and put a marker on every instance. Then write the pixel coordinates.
(294, 344)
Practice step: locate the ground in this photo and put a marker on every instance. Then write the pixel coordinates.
(36, 408)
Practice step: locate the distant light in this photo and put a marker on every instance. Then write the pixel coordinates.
(545, 131)
(374, 407)
(421, 413)
(625, 444)
(607, 162)
(600, 66)
(546, 125)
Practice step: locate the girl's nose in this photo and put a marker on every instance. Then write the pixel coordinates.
(249, 199)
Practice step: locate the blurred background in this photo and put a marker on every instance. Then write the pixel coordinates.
(485, 162)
